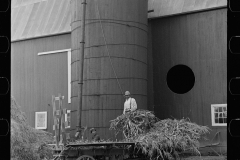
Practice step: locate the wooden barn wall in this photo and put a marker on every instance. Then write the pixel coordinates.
(36, 78)
(198, 40)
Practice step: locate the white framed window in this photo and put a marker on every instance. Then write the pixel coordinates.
(69, 67)
(219, 114)
(41, 120)
(68, 119)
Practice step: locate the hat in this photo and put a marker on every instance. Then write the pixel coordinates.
(92, 129)
(127, 93)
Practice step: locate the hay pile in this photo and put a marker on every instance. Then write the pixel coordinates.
(27, 143)
(163, 139)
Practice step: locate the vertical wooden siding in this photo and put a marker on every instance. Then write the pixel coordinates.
(199, 41)
(36, 78)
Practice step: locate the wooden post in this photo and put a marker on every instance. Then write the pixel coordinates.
(55, 128)
(64, 140)
(59, 117)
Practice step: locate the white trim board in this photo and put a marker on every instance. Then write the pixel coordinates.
(69, 66)
(52, 52)
(69, 76)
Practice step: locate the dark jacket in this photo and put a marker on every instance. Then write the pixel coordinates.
(96, 137)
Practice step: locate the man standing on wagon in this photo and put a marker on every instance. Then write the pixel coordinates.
(130, 103)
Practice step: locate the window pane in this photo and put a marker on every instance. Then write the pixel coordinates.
(216, 120)
(224, 108)
(220, 120)
(225, 120)
(220, 115)
(216, 115)
(216, 109)
(225, 114)
(220, 109)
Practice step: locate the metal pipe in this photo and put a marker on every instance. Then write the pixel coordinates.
(81, 62)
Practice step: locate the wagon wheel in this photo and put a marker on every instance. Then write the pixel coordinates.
(85, 157)
(119, 157)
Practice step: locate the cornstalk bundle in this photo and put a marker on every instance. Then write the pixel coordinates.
(156, 138)
(169, 137)
(134, 123)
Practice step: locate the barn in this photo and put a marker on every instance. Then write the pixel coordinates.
(150, 46)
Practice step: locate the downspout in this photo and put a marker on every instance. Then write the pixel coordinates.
(81, 64)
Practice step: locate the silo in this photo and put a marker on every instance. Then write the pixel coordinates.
(115, 46)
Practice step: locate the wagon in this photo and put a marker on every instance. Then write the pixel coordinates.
(101, 151)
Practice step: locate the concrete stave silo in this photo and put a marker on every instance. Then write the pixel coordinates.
(116, 41)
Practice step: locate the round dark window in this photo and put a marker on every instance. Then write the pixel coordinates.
(180, 79)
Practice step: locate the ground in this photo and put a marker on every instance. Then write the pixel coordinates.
(205, 158)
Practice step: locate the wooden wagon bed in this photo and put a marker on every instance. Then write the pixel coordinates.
(100, 151)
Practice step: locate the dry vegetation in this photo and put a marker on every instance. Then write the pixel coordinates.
(163, 139)
(136, 123)
(27, 143)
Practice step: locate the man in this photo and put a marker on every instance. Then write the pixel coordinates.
(95, 136)
(130, 103)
